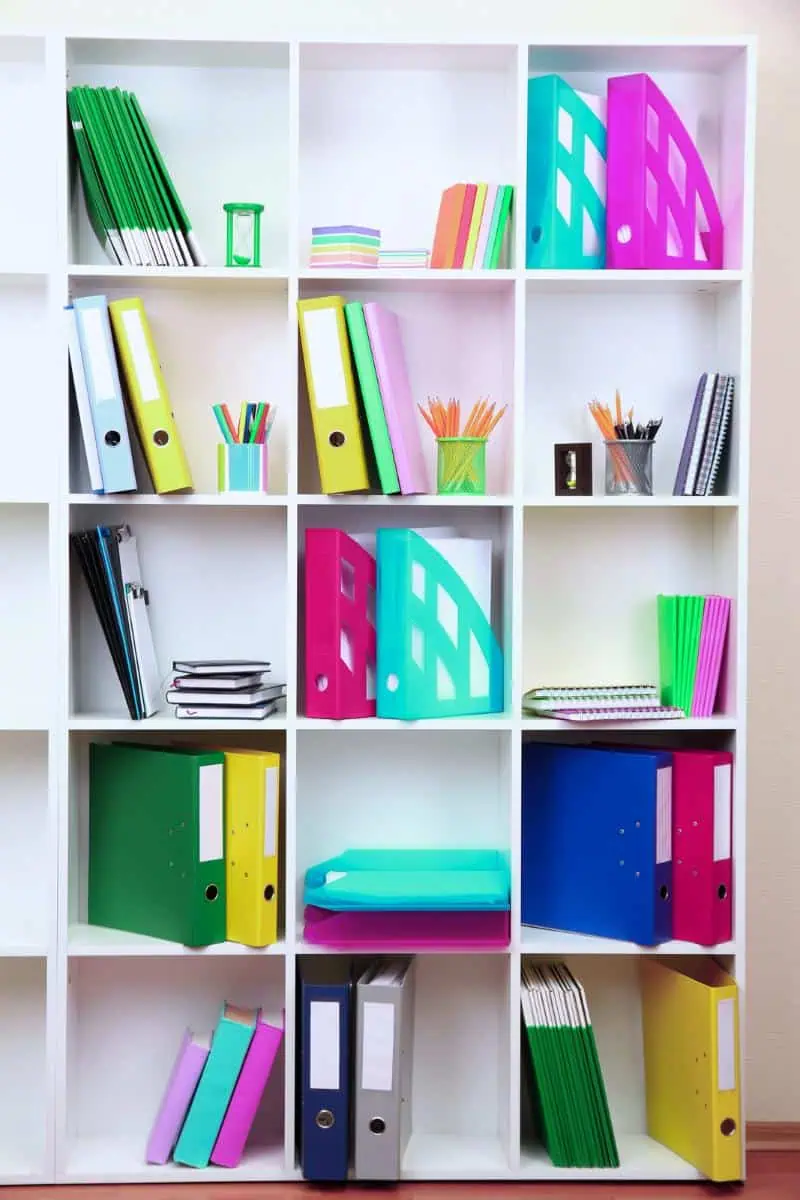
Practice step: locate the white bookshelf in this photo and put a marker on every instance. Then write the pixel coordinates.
(326, 132)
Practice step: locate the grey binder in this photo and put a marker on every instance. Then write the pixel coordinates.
(384, 1052)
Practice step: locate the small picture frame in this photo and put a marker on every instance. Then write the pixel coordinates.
(572, 463)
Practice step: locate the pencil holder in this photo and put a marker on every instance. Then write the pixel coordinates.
(629, 467)
(242, 467)
(243, 235)
(461, 466)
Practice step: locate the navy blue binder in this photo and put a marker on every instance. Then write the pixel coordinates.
(325, 1085)
(597, 841)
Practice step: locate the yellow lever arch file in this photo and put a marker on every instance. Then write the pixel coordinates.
(252, 826)
(690, 1023)
(332, 395)
(148, 398)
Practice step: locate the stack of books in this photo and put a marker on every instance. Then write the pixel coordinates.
(403, 258)
(223, 689)
(701, 469)
(344, 246)
(131, 201)
(473, 227)
(618, 702)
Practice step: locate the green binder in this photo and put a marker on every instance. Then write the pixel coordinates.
(156, 842)
(371, 397)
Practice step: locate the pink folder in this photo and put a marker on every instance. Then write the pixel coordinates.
(409, 930)
(713, 633)
(398, 401)
(464, 224)
(702, 856)
(181, 1086)
(247, 1095)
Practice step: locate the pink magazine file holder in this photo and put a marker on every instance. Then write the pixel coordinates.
(407, 929)
(661, 211)
(340, 581)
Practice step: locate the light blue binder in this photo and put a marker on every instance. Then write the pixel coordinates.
(105, 394)
(410, 880)
(565, 215)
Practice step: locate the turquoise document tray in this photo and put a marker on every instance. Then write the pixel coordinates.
(415, 880)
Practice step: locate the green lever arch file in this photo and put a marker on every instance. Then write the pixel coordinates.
(156, 842)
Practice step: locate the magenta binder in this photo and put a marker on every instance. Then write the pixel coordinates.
(398, 401)
(713, 634)
(180, 1089)
(247, 1094)
(409, 929)
(340, 580)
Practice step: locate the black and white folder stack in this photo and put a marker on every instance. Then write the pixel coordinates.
(223, 690)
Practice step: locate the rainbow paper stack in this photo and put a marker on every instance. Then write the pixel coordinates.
(344, 246)
(403, 258)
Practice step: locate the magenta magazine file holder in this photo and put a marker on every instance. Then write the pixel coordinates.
(406, 929)
(661, 211)
(340, 581)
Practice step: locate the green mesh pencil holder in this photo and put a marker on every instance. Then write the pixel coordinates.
(461, 466)
(243, 235)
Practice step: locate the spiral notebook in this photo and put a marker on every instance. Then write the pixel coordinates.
(545, 701)
(657, 712)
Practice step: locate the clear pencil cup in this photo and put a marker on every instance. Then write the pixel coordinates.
(461, 466)
(629, 467)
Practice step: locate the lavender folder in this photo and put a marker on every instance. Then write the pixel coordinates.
(407, 929)
(186, 1072)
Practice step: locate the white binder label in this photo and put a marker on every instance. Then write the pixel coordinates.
(211, 838)
(142, 362)
(321, 327)
(323, 1045)
(726, 1043)
(270, 812)
(377, 1046)
(664, 814)
(99, 357)
(722, 812)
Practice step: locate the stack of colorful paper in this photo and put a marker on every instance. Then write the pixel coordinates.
(403, 258)
(344, 246)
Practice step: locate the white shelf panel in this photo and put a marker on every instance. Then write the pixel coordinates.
(623, 502)
(555, 942)
(23, 1066)
(639, 281)
(454, 1156)
(21, 949)
(413, 278)
(426, 501)
(94, 941)
(121, 1160)
(493, 722)
(120, 723)
(705, 724)
(640, 1158)
(168, 277)
(303, 947)
(191, 500)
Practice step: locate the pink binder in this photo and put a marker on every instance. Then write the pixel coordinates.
(398, 401)
(661, 212)
(180, 1089)
(702, 872)
(409, 930)
(241, 1111)
(340, 581)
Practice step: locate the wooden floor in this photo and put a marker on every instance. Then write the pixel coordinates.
(773, 1175)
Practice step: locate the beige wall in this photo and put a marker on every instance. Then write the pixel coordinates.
(773, 1014)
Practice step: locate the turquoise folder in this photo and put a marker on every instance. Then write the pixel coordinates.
(411, 880)
(229, 1047)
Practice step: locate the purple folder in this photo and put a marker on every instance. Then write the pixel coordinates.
(386, 343)
(185, 1076)
(407, 929)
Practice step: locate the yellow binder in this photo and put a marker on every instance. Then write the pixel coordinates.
(148, 398)
(332, 395)
(475, 226)
(690, 1023)
(252, 826)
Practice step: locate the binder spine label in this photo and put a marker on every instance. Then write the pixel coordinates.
(99, 359)
(377, 1046)
(148, 384)
(722, 812)
(664, 815)
(211, 833)
(323, 1045)
(270, 812)
(726, 1045)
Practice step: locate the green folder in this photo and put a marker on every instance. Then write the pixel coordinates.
(667, 648)
(106, 158)
(136, 187)
(501, 219)
(680, 623)
(98, 205)
(165, 220)
(229, 1045)
(156, 842)
(371, 397)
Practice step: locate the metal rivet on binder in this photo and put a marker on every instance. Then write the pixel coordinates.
(324, 1118)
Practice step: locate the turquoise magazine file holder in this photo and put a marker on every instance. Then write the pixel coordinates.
(566, 185)
(437, 654)
(410, 880)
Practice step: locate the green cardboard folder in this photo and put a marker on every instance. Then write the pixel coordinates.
(371, 397)
(156, 842)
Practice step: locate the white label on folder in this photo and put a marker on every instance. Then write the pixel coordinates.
(722, 812)
(142, 363)
(99, 357)
(211, 838)
(325, 357)
(270, 812)
(323, 1045)
(726, 1046)
(664, 814)
(377, 1046)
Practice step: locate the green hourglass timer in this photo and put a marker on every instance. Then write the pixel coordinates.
(243, 235)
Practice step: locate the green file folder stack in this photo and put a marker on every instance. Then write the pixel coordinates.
(680, 621)
(132, 203)
(569, 1095)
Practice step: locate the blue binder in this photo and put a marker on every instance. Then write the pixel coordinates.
(597, 841)
(105, 394)
(411, 880)
(325, 1085)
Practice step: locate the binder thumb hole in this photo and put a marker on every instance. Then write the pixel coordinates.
(336, 438)
(161, 437)
(212, 891)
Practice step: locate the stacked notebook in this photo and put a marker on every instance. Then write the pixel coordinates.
(109, 562)
(473, 227)
(113, 359)
(618, 702)
(131, 200)
(214, 1091)
(701, 466)
(223, 689)
(344, 246)
(403, 258)
(411, 898)
(567, 1087)
(692, 634)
